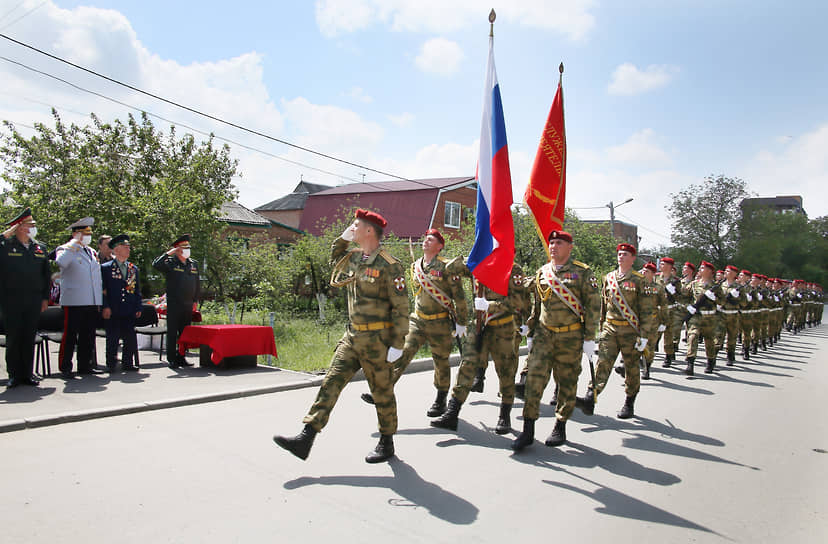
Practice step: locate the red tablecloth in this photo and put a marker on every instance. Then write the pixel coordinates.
(228, 340)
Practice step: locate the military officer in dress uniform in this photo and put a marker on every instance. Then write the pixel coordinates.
(183, 290)
(378, 314)
(627, 322)
(440, 314)
(730, 291)
(561, 328)
(121, 304)
(24, 293)
(80, 296)
(496, 338)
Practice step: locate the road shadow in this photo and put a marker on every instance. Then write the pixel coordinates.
(86, 383)
(648, 443)
(639, 424)
(653, 381)
(413, 490)
(25, 394)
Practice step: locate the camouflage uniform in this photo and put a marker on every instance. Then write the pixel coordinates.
(749, 318)
(378, 313)
(498, 341)
(675, 313)
(431, 322)
(760, 326)
(662, 315)
(730, 317)
(558, 336)
(618, 335)
(703, 323)
(680, 310)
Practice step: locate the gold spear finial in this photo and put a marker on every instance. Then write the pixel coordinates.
(560, 68)
(492, 16)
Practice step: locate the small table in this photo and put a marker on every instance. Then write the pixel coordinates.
(228, 345)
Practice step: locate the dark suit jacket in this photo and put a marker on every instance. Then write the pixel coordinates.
(121, 295)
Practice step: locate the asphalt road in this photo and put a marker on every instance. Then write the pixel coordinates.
(739, 456)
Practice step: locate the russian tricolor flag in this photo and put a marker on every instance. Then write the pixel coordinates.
(493, 253)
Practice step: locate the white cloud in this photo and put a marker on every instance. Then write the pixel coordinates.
(628, 80)
(402, 120)
(639, 149)
(358, 94)
(571, 18)
(329, 128)
(439, 56)
(799, 167)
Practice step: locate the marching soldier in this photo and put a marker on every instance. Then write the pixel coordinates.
(747, 314)
(561, 328)
(760, 323)
(496, 338)
(24, 294)
(183, 291)
(440, 314)
(80, 296)
(121, 304)
(627, 322)
(665, 279)
(688, 271)
(703, 320)
(663, 315)
(378, 313)
(730, 292)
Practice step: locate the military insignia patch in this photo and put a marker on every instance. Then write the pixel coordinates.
(593, 283)
(517, 279)
(399, 283)
(455, 278)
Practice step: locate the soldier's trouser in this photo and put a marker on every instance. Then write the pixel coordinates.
(366, 350)
(678, 321)
(670, 342)
(437, 333)
(177, 319)
(760, 326)
(117, 329)
(731, 329)
(649, 352)
(499, 342)
(558, 353)
(615, 339)
(78, 330)
(746, 322)
(704, 326)
(20, 320)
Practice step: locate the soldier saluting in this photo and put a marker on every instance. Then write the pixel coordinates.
(378, 314)
(183, 290)
(121, 304)
(24, 293)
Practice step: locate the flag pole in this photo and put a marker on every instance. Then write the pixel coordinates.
(563, 158)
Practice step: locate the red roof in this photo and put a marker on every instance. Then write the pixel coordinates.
(407, 205)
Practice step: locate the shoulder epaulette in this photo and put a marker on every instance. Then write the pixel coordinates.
(579, 263)
(442, 259)
(390, 259)
(637, 274)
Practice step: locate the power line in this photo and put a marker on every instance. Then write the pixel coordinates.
(207, 115)
(639, 225)
(37, 7)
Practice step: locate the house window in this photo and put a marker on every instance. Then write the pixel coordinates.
(452, 216)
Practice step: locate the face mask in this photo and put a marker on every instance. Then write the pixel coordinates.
(185, 253)
(86, 240)
(32, 233)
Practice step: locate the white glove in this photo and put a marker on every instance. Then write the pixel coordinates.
(661, 328)
(798, 295)
(393, 354)
(719, 307)
(481, 304)
(529, 343)
(459, 330)
(348, 233)
(640, 344)
(776, 299)
(759, 296)
(524, 330)
(691, 309)
(710, 294)
(734, 293)
(589, 348)
(749, 297)
(670, 288)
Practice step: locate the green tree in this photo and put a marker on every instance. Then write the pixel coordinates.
(130, 177)
(705, 217)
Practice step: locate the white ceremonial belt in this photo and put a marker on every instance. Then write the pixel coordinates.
(730, 312)
(707, 312)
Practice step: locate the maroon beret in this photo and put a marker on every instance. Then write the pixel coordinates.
(650, 266)
(436, 234)
(668, 260)
(707, 264)
(691, 265)
(371, 217)
(746, 272)
(560, 235)
(623, 246)
(731, 267)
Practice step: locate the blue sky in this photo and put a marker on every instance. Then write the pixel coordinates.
(658, 94)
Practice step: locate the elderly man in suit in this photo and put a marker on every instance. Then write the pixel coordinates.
(80, 297)
(121, 304)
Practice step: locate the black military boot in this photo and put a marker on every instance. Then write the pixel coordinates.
(755, 349)
(731, 357)
(299, 445)
(520, 386)
(525, 438)
(627, 411)
(367, 397)
(477, 384)
(621, 371)
(449, 418)
(764, 345)
(711, 365)
(668, 359)
(554, 400)
(646, 374)
(383, 451)
(746, 352)
(691, 361)
(586, 403)
(558, 436)
(504, 423)
(439, 405)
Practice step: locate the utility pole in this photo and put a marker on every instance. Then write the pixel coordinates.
(612, 207)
